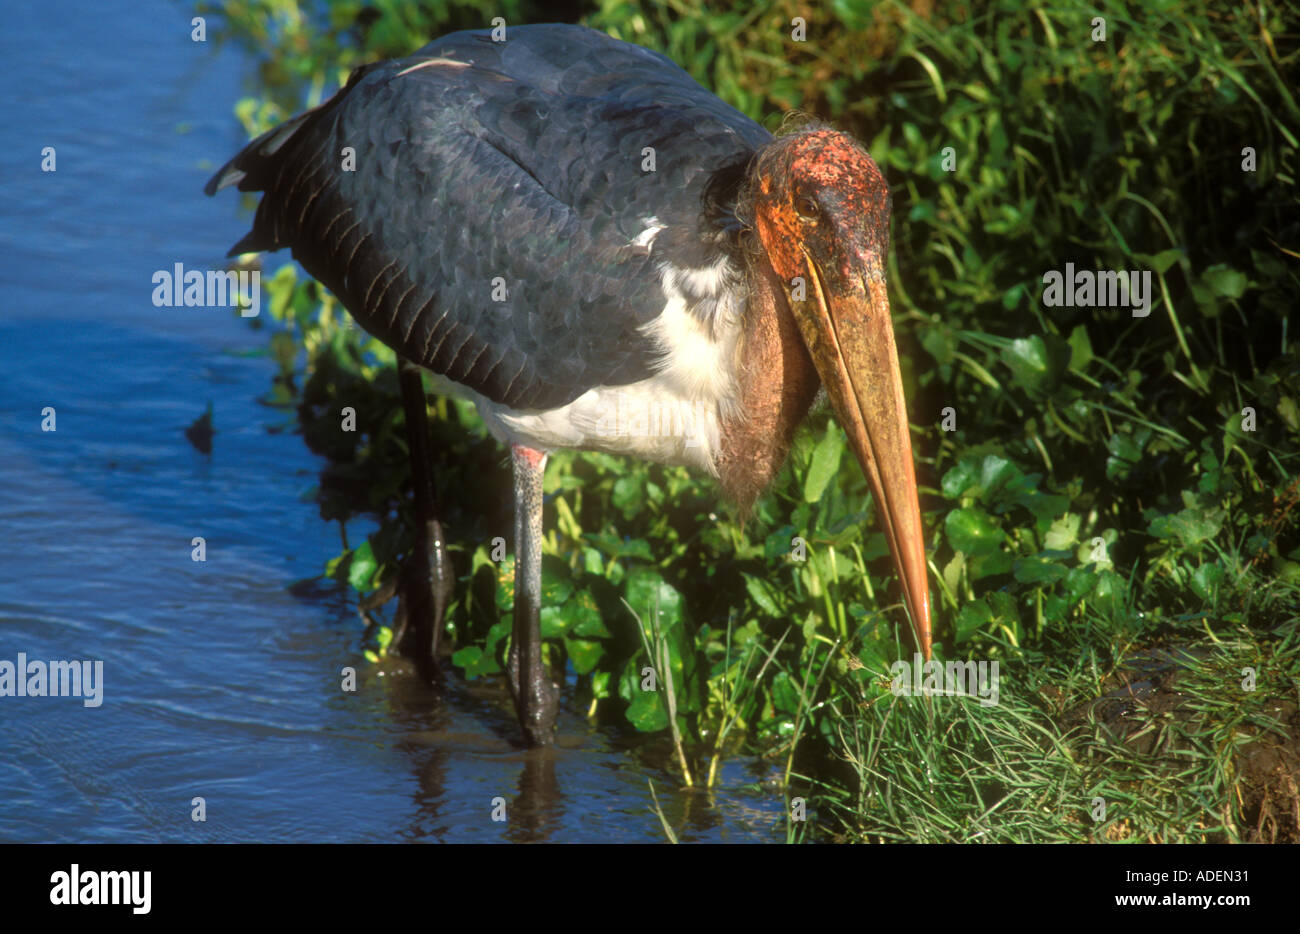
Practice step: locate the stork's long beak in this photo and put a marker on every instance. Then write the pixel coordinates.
(851, 341)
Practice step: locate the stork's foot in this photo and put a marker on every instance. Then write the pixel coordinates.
(537, 699)
(428, 584)
(427, 589)
(440, 580)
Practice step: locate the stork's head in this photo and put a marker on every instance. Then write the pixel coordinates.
(820, 207)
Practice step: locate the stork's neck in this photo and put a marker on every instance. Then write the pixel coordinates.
(775, 382)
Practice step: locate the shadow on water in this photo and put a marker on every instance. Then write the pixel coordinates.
(221, 678)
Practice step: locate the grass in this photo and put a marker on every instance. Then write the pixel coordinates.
(1166, 738)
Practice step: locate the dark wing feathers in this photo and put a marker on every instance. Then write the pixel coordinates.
(524, 166)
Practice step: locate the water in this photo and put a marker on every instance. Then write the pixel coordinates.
(220, 681)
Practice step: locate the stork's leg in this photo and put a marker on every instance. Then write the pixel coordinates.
(537, 699)
(429, 580)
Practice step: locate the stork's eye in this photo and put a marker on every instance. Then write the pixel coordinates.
(807, 208)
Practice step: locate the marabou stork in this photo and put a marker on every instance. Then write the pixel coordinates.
(578, 236)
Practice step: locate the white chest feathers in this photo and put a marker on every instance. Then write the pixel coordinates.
(674, 417)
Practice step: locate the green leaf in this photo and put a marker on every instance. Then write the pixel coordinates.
(1160, 263)
(1045, 506)
(1125, 452)
(1224, 281)
(1289, 412)
(592, 561)
(761, 593)
(362, 568)
(990, 565)
(972, 618)
(281, 288)
(474, 661)
(1064, 532)
(1079, 582)
(600, 684)
(777, 545)
(646, 592)
(500, 632)
(1037, 363)
(629, 495)
(506, 584)
(996, 474)
(466, 657)
(1206, 580)
(843, 531)
(960, 478)
(584, 653)
(554, 625)
(1109, 589)
(577, 616)
(1190, 527)
(785, 694)
(952, 571)
(1004, 608)
(974, 531)
(940, 343)
(556, 585)
(983, 478)
(584, 616)
(1080, 349)
(876, 546)
(921, 211)
(284, 349)
(825, 462)
(647, 712)
(615, 547)
(1036, 570)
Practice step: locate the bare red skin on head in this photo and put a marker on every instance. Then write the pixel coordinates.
(778, 380)
(823, 163)
(779, 229)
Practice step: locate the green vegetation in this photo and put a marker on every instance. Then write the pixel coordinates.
(1114, 516)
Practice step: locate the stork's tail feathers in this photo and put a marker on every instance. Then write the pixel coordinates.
(256, 166)
(252, 167)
